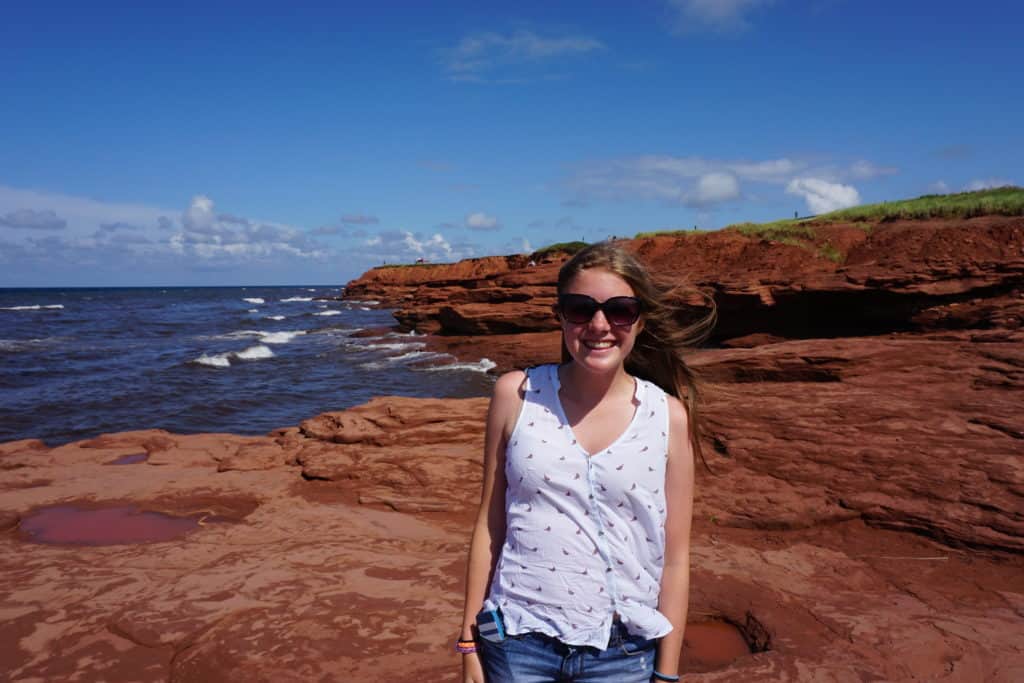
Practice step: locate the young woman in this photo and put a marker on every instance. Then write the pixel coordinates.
(579, 562)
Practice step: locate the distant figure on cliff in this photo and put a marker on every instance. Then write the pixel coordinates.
(580, 556)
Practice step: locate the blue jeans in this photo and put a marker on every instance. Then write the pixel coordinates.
(537, 658)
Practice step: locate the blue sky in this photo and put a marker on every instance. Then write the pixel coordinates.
(223, 144)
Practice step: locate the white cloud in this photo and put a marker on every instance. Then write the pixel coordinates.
(105, 233)
(823, 196)
(226, 238)
(865, 170)
(704, 182)
(722, 16)
(939, 187)
(481, 221)
(30, 219)
(770, 170)
(695, 181)
(403, 246)
(79, 212)
(660, 176)
(113, 227)
(477, 55)
(987, 184)
(714, 188)
(359, 219)
(199, 215)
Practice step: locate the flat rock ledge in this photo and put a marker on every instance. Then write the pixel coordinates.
(861, 518)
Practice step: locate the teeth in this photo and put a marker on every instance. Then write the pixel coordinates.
(599, 345)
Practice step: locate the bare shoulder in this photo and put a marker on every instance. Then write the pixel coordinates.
(678, 418)
(510, 385)
(679, 430)
(507, 398)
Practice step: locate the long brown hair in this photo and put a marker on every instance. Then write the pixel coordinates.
(657, 355)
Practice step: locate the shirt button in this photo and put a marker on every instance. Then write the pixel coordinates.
(591, 496)
(600, 533)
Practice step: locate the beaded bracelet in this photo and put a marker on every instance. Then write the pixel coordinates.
(658, 676)
(465, 647)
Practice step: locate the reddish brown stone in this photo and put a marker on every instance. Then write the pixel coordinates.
(861, 516)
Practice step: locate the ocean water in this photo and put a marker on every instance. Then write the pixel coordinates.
(75, 363)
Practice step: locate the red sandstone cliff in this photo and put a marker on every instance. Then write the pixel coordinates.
(846, 280)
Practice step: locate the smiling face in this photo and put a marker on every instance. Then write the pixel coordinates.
(599, 346)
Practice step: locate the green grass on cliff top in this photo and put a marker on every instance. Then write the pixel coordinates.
(799, 232)
(1002, 201)
(659, 233)
(559, 247)
(411, 265)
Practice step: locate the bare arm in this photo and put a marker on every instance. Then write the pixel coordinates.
(673, 600)
(489, 530)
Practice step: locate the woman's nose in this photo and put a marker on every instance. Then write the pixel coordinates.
(599, 321)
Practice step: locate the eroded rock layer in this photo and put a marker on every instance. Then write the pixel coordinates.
(842, 280)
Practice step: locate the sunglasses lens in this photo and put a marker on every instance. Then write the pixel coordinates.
(622, 310)
(577, 309)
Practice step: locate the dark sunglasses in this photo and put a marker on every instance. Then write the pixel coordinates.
(579, 309)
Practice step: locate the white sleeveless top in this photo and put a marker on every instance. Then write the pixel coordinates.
(585, 533)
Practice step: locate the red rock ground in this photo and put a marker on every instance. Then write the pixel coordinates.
(861, 517)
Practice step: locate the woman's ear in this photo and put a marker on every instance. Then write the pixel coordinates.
(555, 312)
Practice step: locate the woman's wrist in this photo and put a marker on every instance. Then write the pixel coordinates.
(465, 646)
(669, 678)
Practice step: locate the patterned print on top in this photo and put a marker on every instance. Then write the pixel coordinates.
(585, 533)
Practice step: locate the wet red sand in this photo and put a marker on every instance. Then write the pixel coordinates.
(71, 525)
(710, 645)
(131, 459)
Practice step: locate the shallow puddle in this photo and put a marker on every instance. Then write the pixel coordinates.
(125, 524)
(711, 645)
(132, 459)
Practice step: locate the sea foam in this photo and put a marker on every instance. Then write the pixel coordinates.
(392, 347)
(223, 360)
(15, 345)
(404, 358)
(297, 298)
(35, 307)
(254, 300)
(329, 311)
(255, 353)
(220, 360)
(280, 337)
(482, 365)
